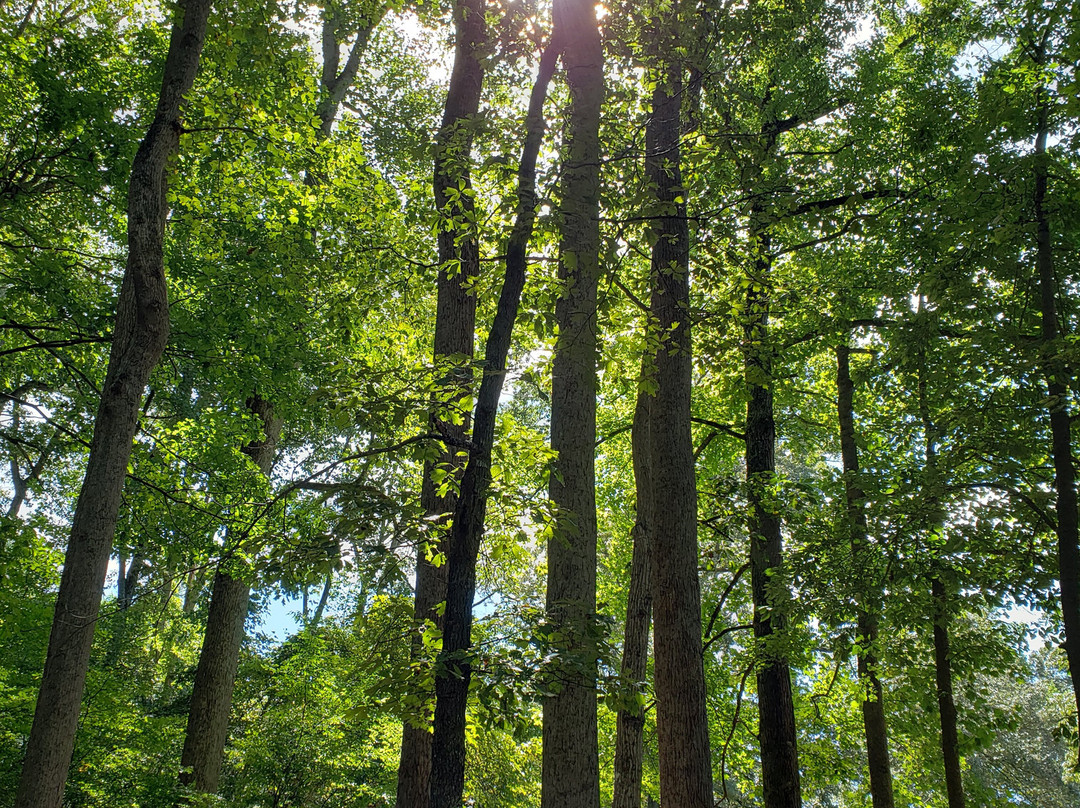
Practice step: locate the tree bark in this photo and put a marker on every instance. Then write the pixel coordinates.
(1058, 379)
(950, 737)
(681, 717)
(215, 676)
(453, 671)
(950, 745)
(630, 722)
(139, 337)
(570, 771)
(776, 708)
(455, 324)
(873, 708)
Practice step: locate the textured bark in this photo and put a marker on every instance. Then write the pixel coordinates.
(681, 718)
(873, 708)
(950, 739)
(455, 324)
(776, 708)
(571, 775)
(630, 723)
(1058, 379)
(466, 532)
(139, 337)
(211, 696)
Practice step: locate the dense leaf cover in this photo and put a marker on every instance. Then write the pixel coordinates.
(882, 180)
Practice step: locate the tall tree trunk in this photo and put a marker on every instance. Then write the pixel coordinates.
(453, 671)
(630, 722)
(571, 770)
(873, 708)
(139, 337)
(950, 737)
(1057, 384)
(776, 708)
(681, 717)
(950, 745)
(455, 324)
(211, 696)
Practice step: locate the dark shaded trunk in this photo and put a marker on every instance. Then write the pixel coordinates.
(939, 605)
(211, 696)
(139, 337)
(776, 709)
(571, 773)
(1058, 379)
(455, 324)
(453, 671)
(679, 674)
(950, 737)
(873, 708)
(630, 722)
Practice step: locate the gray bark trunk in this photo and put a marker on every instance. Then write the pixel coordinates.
(139, 337)
(215, 676)
(570, 771)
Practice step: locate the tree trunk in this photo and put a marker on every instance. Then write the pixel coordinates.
(316, 618)
(571, 773)
(630, 722)
(873, 708)
(950, 739)
(453, 671)
(455, 324)
(139, 337)
(211, 696)
(950, 745)
(1057, 384)
(776, 709)
(681, 717)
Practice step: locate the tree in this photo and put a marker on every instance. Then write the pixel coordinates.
(681, 720)
(455, 322)
(571, 766)
(139, 337)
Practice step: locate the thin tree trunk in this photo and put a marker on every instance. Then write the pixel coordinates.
(21, 485)
(215, 676)
(455, 324)
(323, 599)
(873, 708)
(950, 738)
(1057, 383)
(681, 718)
(950, 745)
(139, 337)
(630, 722)
(776, 708)
(453, 671)
(571, 771)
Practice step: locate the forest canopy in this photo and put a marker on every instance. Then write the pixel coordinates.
(512, 403)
